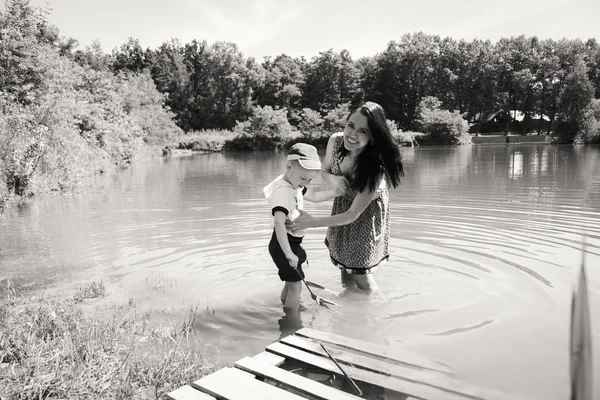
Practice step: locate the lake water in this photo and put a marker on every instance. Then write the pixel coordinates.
(486, 246)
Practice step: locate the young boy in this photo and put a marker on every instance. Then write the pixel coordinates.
(285, 196)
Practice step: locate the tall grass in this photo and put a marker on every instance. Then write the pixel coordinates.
(51, 348)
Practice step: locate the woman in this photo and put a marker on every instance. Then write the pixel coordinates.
(366, 159)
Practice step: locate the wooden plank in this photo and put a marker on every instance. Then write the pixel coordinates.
(269, 358)
(399, 356)
(425, 377)
(409, 388)
(297, 382)
(188, 393)
(234, 384)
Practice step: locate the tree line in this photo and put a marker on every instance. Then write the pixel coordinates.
(516, 80)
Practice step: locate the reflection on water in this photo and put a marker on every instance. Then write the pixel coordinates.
(516, 165)
(485, 247)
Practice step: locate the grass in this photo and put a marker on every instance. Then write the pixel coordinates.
(89, 291)
(210, 139)
(211, 135)
(51, 348)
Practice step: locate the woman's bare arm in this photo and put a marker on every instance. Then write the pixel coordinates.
(360, 203)
(332, 180)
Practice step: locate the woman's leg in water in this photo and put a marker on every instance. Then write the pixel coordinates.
(366, 282)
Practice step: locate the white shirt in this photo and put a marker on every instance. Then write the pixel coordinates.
(282, 196)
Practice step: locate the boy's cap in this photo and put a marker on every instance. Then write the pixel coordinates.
(306, 155)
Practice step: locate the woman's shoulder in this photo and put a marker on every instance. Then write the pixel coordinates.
(335, 139)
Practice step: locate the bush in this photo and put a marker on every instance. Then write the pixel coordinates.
(590, 124)
(402, 137)
(265, 129)
(310, 123)
(442, 126)
(246, 141)
(335, 120)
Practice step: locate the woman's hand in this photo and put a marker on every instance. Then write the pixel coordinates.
(342, 187)
(303, 221)
(340, 183)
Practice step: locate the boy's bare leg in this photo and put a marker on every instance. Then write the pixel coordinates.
(284, 293)
(292, 300)
(347, 280)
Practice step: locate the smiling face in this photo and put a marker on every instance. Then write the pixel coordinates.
(356, 133)
(298, 176)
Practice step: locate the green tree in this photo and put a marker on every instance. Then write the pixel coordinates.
(146, 107)
(26, 39)
(406, 75)
(170, 75)
(221, 83)
(130, 56)
(93, 56)
(283, 79)
(514, 74)
(574, 99)
(593, 63)
(331, 79)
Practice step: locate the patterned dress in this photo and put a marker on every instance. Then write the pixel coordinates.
(361, 246)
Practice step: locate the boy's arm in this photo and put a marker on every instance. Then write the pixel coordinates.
(281, 234)
(323, 195)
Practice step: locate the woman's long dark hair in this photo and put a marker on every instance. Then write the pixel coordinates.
(381, 156)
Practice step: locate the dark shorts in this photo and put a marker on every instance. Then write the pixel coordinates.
(287, 273)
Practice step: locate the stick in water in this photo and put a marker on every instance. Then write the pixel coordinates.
(360, 393)
(322, 288)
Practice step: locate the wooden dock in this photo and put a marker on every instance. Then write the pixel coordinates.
(380, 371)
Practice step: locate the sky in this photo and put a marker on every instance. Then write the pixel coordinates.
(306, 27)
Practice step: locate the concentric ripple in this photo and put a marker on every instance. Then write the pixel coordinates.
(486, 244)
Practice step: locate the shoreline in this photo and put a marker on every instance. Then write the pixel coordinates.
(198, 145)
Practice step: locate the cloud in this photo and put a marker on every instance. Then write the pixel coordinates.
(571, 21)
(246, 24)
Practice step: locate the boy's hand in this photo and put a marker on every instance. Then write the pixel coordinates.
(292, 259)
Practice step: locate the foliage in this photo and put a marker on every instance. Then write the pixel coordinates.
(331, 79)
(573, 102)
(146, 107)
(220, 86)
(282, 82)
(25, 39)
(442, 126)
(268, 122)
(590, 124)
(402, 137)
(335, 119)
(310, 123)
(63, 115)
(265, 129)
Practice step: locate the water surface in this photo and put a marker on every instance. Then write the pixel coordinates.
(486, 245)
